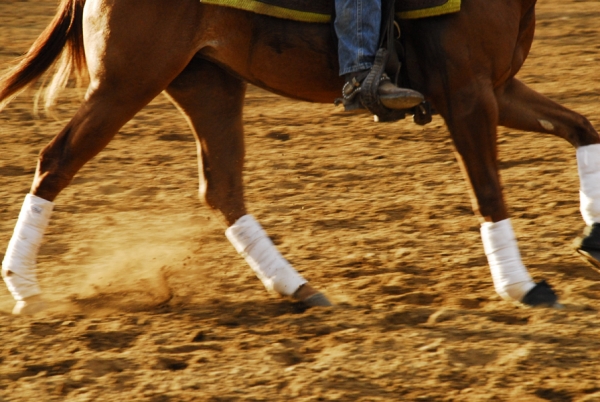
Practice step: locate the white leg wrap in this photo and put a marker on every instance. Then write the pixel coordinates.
(18, 267)
(588, 164)
(511, 279)
(253, 243)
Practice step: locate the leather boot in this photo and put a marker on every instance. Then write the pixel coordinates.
(390, 95)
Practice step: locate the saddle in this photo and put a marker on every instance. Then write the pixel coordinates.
(387, 59)
(320, 11)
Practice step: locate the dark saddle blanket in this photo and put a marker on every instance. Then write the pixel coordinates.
(320, 10)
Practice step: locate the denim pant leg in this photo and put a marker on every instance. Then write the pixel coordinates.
(357, 25)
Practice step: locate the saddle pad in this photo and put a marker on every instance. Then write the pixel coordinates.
(320, 10)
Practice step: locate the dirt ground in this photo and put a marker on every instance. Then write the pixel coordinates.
(150, 302)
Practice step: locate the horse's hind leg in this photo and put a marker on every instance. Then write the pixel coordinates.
(123, 80)
(92, 128)
(212, 100)
(522, 108)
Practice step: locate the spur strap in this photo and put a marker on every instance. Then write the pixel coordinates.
(368, 88)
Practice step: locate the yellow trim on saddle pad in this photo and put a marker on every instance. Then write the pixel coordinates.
(272, 11)
(452, 6)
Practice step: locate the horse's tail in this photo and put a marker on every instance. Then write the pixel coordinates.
(65, 30)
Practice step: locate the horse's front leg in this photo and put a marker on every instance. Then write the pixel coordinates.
(212, 101)
(472, 118)
(522, 108)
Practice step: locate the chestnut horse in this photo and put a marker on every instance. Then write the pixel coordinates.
(202, 56)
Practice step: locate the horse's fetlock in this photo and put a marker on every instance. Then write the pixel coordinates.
(50, 179)
(211, 199)
(585, 133)
(490, 203)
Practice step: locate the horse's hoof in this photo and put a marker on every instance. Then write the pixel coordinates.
(311, 297)
(317, 300)
(29, 306)
(541, 295)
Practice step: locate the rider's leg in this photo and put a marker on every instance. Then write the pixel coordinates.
(357, 25)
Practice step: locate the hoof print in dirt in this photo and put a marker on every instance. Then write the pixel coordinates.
(542, 295)
(170, 363)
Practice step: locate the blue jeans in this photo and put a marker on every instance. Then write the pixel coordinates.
(357, 25)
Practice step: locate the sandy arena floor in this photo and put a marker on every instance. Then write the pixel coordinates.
(377, 216)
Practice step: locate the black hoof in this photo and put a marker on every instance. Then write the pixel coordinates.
(541, 295)
(317, 300)
(588, 246)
